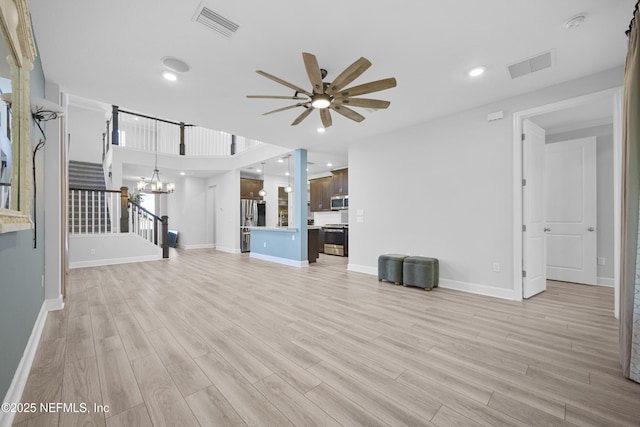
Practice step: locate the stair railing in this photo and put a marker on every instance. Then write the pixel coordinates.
(93, 211)
(145, 224)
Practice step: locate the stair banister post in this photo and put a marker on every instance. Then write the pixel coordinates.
(115, 140)
(124, 210)
(165, 236)
(182, 146)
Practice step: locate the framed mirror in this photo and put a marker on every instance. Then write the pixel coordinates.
(18, 47)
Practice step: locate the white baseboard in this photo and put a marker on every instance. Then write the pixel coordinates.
(363, 269)
(203, 246)
(278, 260)
(113, 261)
(53, 304)
(14, 394)
(475, 288)
(472, 288)
(228, 250)
(606, 282)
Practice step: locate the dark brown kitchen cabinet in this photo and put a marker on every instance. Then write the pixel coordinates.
(340, 181)
(321, 190)
(249, 188)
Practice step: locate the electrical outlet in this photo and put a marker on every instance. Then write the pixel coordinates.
(293, 237)
(265, 244)
(496, 267)
(602, 260)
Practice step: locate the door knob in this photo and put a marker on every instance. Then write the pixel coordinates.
(591, 229)
(546, 229)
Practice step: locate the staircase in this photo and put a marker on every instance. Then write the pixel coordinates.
(88, 203)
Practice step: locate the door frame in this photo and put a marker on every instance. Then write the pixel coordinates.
(518, 117)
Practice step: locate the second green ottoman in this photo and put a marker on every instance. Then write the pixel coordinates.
(420, 271)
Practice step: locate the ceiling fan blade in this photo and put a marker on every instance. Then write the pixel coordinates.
(282, 82)
(325, 116)
(367, 88)
(347, 112)
(273, 97)
(313, 71)
(284, 108)
(363, 102)
(351, 73)
(302, 116)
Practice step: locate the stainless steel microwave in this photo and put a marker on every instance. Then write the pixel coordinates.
(339, 203)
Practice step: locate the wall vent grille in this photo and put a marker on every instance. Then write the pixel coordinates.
(531, 65)
(216, 22)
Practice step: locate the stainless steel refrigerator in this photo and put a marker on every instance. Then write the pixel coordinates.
(252, 214)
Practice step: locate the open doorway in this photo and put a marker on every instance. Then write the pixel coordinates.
(575, 131)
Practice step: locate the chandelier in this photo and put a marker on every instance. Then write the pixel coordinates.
(156, 186)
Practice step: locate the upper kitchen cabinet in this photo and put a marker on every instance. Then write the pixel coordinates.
(321, 190)
(340, 182)
(249, 188)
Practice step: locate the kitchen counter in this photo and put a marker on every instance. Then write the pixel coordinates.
(284, 229)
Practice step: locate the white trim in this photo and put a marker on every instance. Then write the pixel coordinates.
(53, 304)
(19, 381)
(607, 282)
(518, 118)
(228, 250)
(363, 269)
(202, 246)
(472, 288)
(278, 260)
(113, 261)
(478, 289)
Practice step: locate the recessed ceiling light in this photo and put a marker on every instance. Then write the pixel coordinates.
(329, 164)
(169, 76)
(182, 173)
(477, 71)
(307, 169)
(287, 174)
(574, 21)
(175, 64)
(258, 170)
(280, 160)
(321, 130)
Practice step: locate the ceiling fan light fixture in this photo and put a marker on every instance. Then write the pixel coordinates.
(321, 130)
(321, 101)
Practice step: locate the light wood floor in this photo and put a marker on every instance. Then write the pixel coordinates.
(214, 339)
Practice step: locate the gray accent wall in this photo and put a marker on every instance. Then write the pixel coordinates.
(21, 270)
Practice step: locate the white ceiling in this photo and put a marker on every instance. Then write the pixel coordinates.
(111, 51)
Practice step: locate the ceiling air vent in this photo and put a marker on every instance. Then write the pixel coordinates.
(531, 65)
(215, 21)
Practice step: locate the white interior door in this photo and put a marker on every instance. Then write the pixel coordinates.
(571, 211)
(534, 278)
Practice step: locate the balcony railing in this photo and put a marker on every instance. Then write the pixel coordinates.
(140, 132)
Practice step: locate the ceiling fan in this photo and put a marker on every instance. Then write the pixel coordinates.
(331, 96)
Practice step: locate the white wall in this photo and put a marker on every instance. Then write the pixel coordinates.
(186, 208)
(605, 214)
(108, 249)
(444, 189)
(86, 127)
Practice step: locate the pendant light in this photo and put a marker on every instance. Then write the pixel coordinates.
(289, 187)
(157, 186)
(262, 191)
